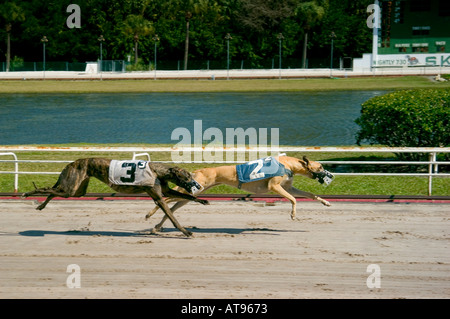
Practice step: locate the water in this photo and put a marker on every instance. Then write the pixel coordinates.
(303, 118)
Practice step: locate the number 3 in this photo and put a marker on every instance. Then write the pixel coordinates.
(129, 172)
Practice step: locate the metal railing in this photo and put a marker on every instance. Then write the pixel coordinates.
(432, 162)
(16, 169)
(106, 66)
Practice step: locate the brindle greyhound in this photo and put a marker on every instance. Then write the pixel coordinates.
(212, 176)
(74, 179)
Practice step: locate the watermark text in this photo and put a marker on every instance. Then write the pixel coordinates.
(74, 19)
(374, 279)
(74, 279)
(228, 146)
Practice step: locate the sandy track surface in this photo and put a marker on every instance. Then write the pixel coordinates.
(239, 250)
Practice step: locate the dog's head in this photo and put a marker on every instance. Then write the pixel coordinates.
(316, 171)
(183, 178)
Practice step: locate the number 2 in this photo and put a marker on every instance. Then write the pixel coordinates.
(255, 173)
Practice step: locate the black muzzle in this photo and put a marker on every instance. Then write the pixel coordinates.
(192, 186)
(323, 177)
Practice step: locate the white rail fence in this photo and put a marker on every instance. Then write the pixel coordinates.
(432, 163)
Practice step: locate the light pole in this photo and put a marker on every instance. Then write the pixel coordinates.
(101, 39)
(228, 38)
(156, 39)
(332, 36)
(44, 40)
(280, 38)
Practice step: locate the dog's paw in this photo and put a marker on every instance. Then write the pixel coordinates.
(23, 196)
(203, 201)
(41, 207)
(326, 203)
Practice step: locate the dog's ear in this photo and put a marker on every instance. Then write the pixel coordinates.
(179, 172)
(174, 170)
(304, 162)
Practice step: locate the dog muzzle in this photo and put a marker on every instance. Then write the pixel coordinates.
(323, 177)
(192, 187)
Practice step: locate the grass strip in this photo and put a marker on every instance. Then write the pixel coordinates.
(254, 85)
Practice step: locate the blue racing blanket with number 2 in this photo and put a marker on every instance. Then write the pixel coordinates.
(260, 169)
(132, 172)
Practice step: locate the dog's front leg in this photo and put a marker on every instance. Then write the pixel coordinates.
(172, 209)
(154, 210)
(169, 214)
(296, 192)
(173, 193)
(277, 188)
(162, 204)
(176, 196)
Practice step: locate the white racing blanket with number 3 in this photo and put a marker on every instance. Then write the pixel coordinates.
(132, 172)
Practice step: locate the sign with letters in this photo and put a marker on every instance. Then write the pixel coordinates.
(412, 59)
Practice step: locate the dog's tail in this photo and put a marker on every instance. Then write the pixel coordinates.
(25, 195)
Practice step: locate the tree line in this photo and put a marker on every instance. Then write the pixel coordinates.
(185, 30)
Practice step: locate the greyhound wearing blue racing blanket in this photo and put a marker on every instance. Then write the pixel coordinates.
(279, 180)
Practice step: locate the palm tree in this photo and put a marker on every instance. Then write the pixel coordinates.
(310, 13)
(191, 8)
(187, 17)
(137, 26)
(10, 13)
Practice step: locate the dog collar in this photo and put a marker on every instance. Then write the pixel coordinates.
(289, 173)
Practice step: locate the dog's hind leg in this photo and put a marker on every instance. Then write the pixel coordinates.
(78, 191)
(42, 206)
(45, 191)
(37, 191)
(53, 194)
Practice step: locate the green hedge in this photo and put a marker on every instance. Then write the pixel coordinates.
(411, 118)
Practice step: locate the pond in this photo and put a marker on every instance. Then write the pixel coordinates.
(324, 118)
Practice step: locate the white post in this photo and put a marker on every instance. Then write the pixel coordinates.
(432, 158)
(376, 28)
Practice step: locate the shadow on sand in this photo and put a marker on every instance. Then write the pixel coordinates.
(148, 232)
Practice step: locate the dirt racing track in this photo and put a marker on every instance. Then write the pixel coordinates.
(239, 250)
